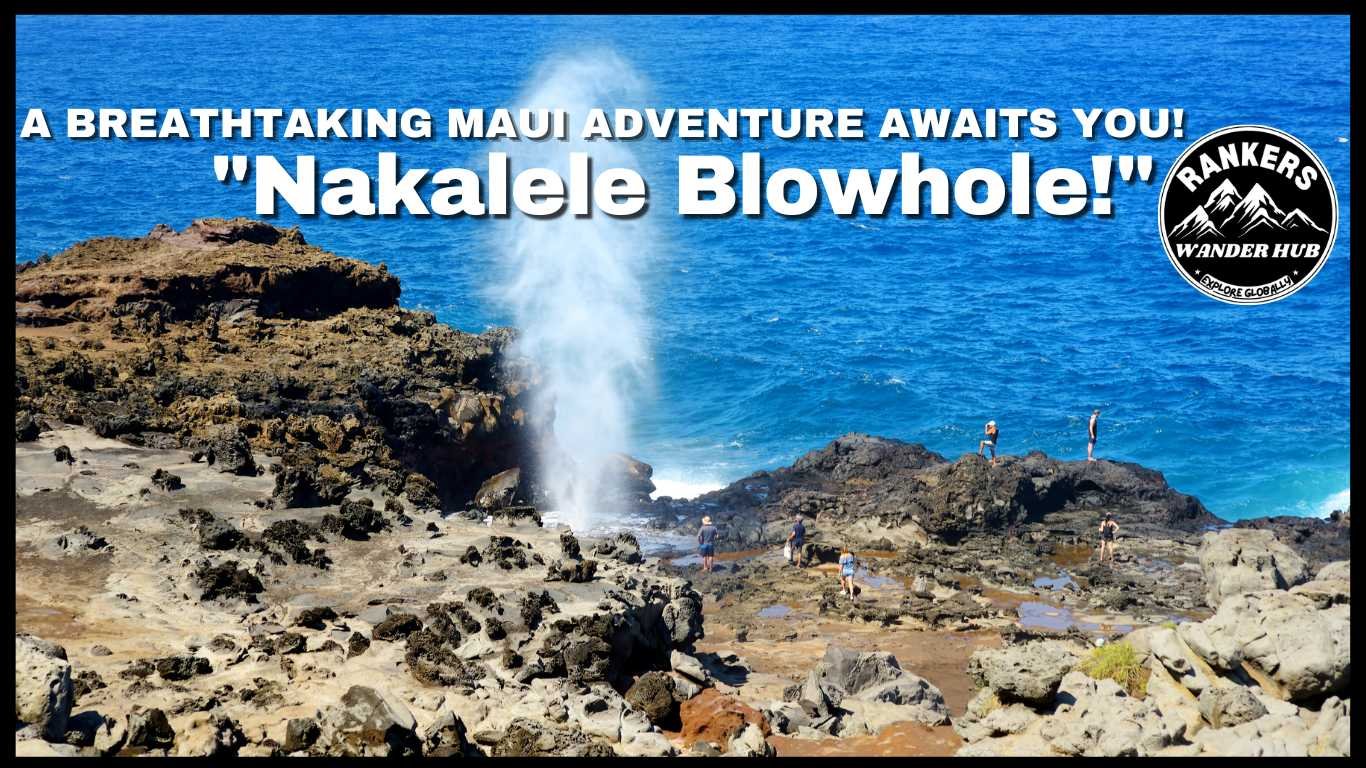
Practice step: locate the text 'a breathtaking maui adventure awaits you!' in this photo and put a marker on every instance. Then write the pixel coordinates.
(707, 183)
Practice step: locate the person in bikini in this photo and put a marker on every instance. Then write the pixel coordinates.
(990, 443)
(1108, 529)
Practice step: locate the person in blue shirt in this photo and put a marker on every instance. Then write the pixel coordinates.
(706, 543)
(847, 572)
(797, 538)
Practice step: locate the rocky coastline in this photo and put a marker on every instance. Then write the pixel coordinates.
(263, 510)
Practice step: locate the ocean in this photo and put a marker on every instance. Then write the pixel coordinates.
(767, 337)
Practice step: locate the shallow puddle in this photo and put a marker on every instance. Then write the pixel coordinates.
(775, 612)
(681, 560)
(1055, 618)
(1072, 555)
(1062, 581)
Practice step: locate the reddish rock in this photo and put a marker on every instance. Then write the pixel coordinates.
(715, 718)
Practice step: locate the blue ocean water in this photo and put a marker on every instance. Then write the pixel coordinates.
(772, 336)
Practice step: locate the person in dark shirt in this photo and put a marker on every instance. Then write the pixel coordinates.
(706, 543)
(796, 539)
(1092, 429)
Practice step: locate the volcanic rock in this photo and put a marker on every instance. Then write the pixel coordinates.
(43, 691)
(1236, 560)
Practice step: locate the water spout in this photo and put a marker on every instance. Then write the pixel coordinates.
(573, 286)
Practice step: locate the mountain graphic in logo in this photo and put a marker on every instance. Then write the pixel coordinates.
(1227, 215)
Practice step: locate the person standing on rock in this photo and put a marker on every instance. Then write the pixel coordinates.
(796, 539)
(847, 572)
(1091, 435)
(1108, 529)
(990, 443)
(706, 543)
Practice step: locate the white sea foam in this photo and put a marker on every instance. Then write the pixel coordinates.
(573, 285)
(683, 487)
(1342, 500)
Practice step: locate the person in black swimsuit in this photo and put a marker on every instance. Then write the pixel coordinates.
(1108, 529)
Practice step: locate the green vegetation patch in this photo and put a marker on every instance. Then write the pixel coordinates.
(1118, 662)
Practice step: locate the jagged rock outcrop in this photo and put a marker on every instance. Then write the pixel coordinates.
(43, 692)
(1262, 677)
(876, 488)
(234, 336)
(367, 722)
(851, 692)
(1302, 646)
(1029, 673)
(1317, 540)
(1236, 560)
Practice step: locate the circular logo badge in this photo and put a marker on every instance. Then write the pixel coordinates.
(1248, 214)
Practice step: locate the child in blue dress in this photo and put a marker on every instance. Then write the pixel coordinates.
(847, 572)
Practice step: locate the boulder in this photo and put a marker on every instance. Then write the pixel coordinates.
(749, 742)
(209, 734)
(986, 717)
(1097, 718)
(865, 691)
(1341, 569)
(43, 691)
(300, 734)
(653, 695)
(1229, 705)
(150, 729)
(182, 667)
(623, 547)
(1325, 592)
(499, 491)
(1326, 734)
(166, 481)
(1238, 560)
(226, 449)
(714, 718)
(102, 734)
(445, 736)
(628, 476)
(683, 620)
(1028, 673)
(683, 687)
(26, 428)
(355, 519)
(1173, 655)
(689, 667)
(369, 723)
(1303, 649)
(227, 580)
(397, 627)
